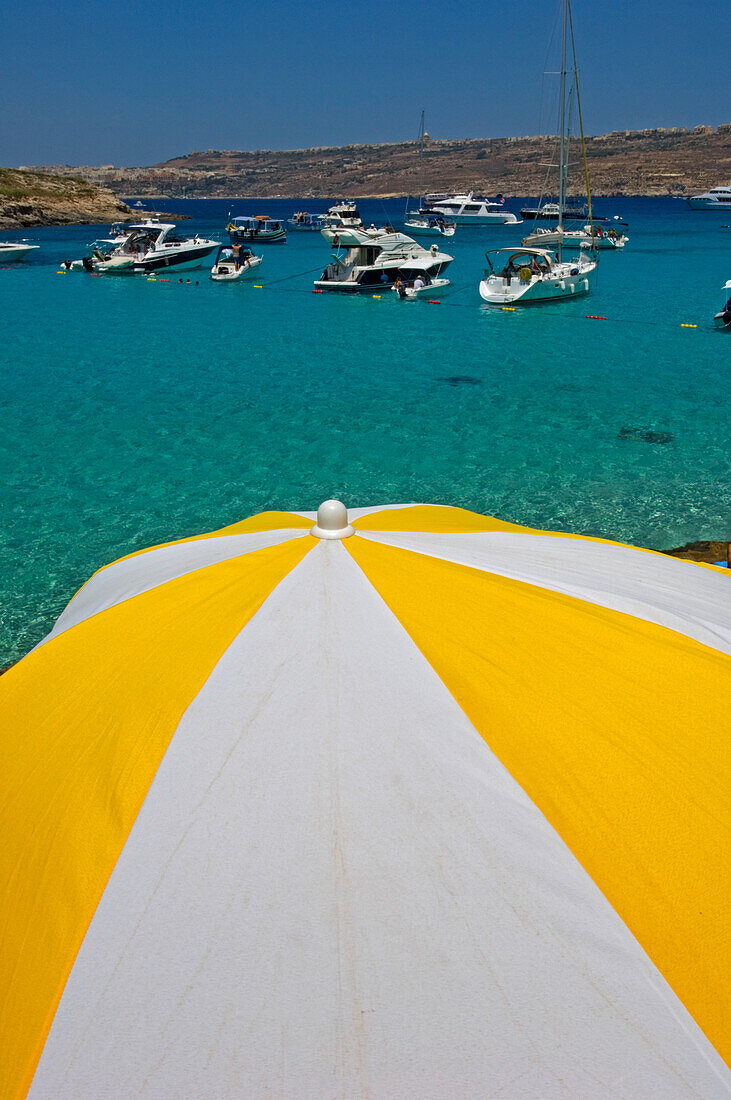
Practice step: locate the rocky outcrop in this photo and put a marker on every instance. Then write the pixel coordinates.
(669, 161)
(708, 552)
(29, 198)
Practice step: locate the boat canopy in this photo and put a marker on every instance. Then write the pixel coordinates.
(514, 253)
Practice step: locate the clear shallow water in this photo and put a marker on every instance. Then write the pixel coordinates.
(136, 412)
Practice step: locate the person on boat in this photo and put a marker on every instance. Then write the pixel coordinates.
(419, 283)
(236, 249)
(510, 270)
(398, 286)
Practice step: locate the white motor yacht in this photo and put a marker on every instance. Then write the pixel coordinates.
(149, 246)
(343, 214)
(471, 209)
(533, 275)
(12, 251)
(718, 198)
(374, 262)
(230, 266)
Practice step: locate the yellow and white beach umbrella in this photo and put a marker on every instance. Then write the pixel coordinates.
(436, 810)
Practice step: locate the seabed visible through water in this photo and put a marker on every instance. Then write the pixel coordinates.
(138, 411)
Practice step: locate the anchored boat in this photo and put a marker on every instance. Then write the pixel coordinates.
(723, 318)
(12, 251)
(307, 223)
(261, 228)
(471, 209)
(235, 263)
(531, 274)
(149, 246)
(374, 262)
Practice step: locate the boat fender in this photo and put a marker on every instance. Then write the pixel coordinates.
(525, 274)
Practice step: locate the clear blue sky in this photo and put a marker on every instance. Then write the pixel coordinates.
(91, 82)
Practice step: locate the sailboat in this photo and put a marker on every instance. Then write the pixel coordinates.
(426, 222)
(538, 274)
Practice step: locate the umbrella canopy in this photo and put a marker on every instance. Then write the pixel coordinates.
(430, 805)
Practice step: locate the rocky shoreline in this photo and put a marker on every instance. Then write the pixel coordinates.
(30, 199)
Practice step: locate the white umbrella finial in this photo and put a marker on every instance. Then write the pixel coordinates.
(332, 521)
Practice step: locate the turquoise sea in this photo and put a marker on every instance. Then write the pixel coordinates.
(136, 412)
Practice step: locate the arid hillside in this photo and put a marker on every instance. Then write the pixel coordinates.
(625, 162)
(30, 198)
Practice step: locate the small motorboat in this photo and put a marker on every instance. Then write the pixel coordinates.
(722, 319)
(261, 228)
(231, 266)
(425, 223)
(597, 237)
(421, 289)
(307, 223)
(568, 239)
(12, 251)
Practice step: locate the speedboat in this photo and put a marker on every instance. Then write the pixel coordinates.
(718, 198)
(420, 289)
(343, 214)
(425, 223)
(723, 318)
(373, 263)
(305, 222)
(149, 246)
(261, 228)
(12, 251)
(231, 266)
(470, 209)
(533, 275)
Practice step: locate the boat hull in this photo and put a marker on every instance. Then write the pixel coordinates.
(506, 218)
(709, 204)
(552, 216)
(184, 261)
(428, 230)
(277, 236)
(11, 253)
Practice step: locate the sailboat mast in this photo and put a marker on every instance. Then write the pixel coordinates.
(421, 161)
(562, 156)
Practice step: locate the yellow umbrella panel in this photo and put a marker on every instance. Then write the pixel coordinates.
(430, 805)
